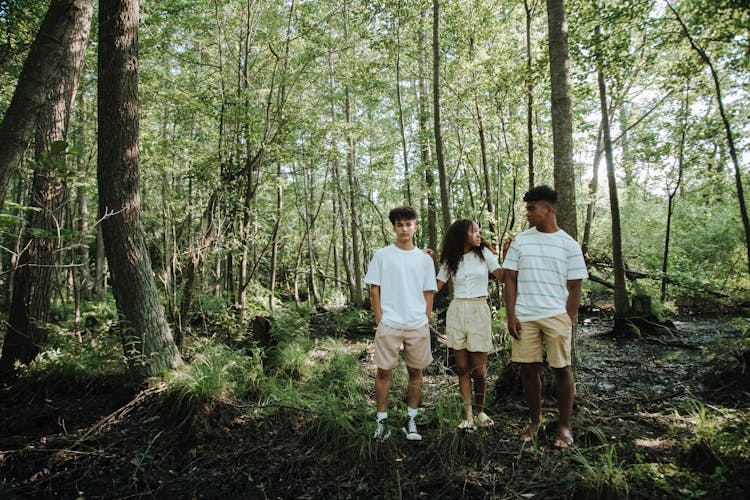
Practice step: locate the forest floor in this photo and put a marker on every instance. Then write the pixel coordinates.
(659, 416)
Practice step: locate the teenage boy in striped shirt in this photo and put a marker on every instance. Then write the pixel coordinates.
(544, 270)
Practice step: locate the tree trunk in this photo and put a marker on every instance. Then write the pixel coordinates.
(562, 122)
(356, 292)
(147, 338)
(621, 295)
(275, 237)
(39, 75)
(529, 97)
(402, 126)
(593, 189)
(345, 253)
(671, 196)
(439, 155)
(424, 150)
(26, 334)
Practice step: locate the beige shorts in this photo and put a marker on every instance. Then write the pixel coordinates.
(417, 349)
(468, 325)
(557, 333)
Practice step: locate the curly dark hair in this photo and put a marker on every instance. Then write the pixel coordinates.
(452, 249)
(541, 193)
(402, 213)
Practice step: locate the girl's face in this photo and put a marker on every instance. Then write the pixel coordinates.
(474, 237)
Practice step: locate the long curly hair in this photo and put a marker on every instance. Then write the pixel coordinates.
(456, 238)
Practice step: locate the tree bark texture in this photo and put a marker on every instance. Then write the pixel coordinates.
(26, 335)
(147, 338)
(39, 75)
(562, 121)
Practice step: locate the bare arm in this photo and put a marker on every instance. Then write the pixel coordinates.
(574, 298)
(375, 301)
(498, 273)
(440, 284)
(428, 296)
(511, 283)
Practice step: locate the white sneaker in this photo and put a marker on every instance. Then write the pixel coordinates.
(410, 429)
(485, 420)
(382, 431)
(467, 425)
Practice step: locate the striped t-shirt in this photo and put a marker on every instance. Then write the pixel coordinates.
(545, 262)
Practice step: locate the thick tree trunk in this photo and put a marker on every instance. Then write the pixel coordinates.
(26, 335)
(40, 74)
(146, 335)
(562, 122)
(439, 155)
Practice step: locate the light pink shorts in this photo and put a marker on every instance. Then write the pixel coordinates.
(417, 349)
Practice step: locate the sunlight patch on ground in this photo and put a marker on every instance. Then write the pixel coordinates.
(653, 443)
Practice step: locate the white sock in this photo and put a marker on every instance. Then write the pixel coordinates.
(412, 412)
(381, 415)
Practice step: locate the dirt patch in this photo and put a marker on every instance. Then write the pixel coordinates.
(636, 436)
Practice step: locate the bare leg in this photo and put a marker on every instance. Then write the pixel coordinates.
(382, 385)
(478, 362)
(464, 380)
(414, 390)
(532, 386)
(565, 394)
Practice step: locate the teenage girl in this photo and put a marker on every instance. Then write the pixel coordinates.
(469, 260)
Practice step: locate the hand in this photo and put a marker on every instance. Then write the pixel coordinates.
(514, 327)
(429, 252)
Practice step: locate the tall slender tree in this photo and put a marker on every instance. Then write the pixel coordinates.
(438, 128)
(621, 295)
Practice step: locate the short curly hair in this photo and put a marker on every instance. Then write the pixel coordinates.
(402, 213)
(541, 193)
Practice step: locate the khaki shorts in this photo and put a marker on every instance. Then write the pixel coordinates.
(557, 333)
(417, 349)
(468, 325)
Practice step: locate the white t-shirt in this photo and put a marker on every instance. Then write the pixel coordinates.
(403, 276)
(545, 262)
(472, 274)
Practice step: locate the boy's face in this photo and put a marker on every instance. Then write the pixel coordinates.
(538, 212)
(405, 230)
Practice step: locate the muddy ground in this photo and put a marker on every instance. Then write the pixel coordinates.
(637, 424)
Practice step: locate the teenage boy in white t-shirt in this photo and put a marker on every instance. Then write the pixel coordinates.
(544, 270)
(402, 284)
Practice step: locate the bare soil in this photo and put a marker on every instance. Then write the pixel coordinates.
(108, 440)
